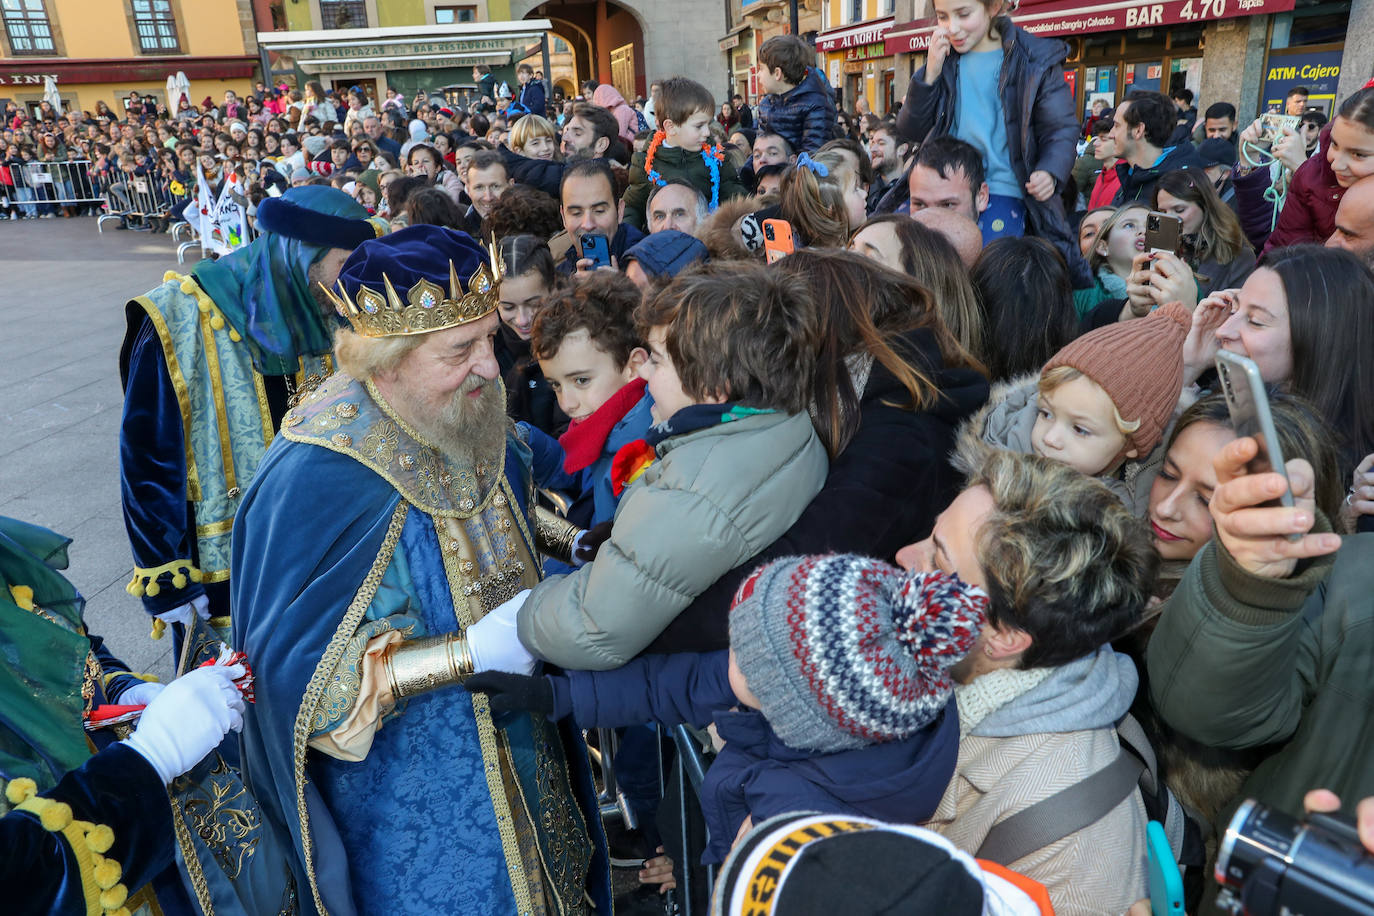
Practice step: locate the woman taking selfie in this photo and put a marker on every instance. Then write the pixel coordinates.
(1213, 244)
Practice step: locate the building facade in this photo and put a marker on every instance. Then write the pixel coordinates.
(1247, 52)
(751, 23)
(102, 51)
(854, 56)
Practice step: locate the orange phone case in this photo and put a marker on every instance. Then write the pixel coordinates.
(780, 244)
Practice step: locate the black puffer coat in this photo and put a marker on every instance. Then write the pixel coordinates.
(1042, 128)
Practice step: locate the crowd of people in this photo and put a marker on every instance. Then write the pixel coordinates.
(886, 453)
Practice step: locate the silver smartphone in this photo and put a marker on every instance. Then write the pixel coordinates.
(1248, 402)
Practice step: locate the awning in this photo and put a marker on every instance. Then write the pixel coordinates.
(72, 71)
(853, 36)
(1074, 17)
(424, 47)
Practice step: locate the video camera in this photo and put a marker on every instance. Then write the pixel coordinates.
(1271, 864)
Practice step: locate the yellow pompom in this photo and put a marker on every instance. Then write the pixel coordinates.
(179, 580)
(170, 275)
(55, 816)
(99, 839)
(20, 790)
(106, 873)
(204, 306)
(114, 897)
(196, 574)
(217, 322)
(234, 335)
(188, 286)
(23, 596)
(159, 627)
(135, 587)
(152, 589)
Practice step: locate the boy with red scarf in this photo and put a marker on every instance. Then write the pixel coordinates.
(590, 353)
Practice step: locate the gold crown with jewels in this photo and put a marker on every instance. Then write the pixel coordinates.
(425, 307)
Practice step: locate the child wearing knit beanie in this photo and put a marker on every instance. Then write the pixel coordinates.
(832, 697)
(1101, 405)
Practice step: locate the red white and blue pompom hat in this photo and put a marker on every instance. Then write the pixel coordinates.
(845, 651)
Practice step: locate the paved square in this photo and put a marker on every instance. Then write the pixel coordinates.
(61, 324)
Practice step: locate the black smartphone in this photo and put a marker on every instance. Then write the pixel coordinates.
(597, 249)
(1248, 403)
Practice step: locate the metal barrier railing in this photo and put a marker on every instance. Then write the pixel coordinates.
(39, 187)
(136, 197)
(688, 776)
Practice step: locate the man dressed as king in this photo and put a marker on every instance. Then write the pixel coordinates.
(393, 512)
(209, 363)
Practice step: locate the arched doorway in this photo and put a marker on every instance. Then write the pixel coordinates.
(607, 39)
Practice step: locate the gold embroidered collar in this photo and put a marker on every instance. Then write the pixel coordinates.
(353, 419)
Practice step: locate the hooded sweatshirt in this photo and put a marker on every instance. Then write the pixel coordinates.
(1029, 734)
(609, 98)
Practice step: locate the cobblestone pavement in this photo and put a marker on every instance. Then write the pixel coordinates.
(61, 324)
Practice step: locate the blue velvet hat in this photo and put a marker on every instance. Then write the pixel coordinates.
(421, 279)
(319, 216)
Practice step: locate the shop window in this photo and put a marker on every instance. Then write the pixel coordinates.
(156, 25)
(450, 15)
(27, 27)
(1311, 23)
(343, 14)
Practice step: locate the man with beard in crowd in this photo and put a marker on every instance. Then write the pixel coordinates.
(417, 496)
(209, 362)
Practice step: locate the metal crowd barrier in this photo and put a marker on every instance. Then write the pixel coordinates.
(136, 197)
(39, 187)
(687, 776)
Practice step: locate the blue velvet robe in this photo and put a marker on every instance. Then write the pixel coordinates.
(414, 826)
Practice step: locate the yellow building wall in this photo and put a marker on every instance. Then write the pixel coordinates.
(401, 12)
(209, 28)
(102, 30)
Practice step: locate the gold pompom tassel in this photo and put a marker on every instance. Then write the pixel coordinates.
(159, 628)
(20, 790)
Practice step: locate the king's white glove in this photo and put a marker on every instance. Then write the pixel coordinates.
(494, 643)
(141, 694)
(181, 614)
(189, 719)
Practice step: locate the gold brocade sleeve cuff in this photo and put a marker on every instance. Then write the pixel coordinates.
(554, 536)
(420, 665)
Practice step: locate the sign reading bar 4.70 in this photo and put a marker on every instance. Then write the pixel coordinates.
(1073, 17)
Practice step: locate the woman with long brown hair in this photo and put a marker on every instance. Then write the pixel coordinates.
(891, 387)
(899, 242)
(1214, 244)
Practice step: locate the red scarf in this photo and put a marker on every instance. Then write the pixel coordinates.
(585, 440)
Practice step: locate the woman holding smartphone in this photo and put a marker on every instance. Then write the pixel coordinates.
(1303, 317)
(1214, 246)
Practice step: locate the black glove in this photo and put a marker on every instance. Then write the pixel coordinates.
(591, 542)
(513, 692)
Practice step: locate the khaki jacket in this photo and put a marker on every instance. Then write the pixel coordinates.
(1098, 870)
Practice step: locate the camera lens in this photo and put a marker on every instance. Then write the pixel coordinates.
(1254, 834)
(768, 233)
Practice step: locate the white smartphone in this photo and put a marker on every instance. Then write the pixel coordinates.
(1248, 403)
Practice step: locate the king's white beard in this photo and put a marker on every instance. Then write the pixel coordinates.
(467, 430)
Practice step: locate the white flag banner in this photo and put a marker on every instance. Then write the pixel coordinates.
(222, 218)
